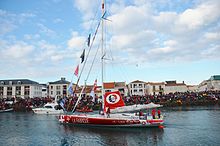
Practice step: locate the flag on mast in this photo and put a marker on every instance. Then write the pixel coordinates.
(88, 41)
(76, 71)
(82, 56)
(70, 88)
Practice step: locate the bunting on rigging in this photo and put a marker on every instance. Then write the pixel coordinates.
(82, 56)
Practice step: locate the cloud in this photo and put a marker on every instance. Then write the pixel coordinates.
(202, 15)
(76, 41)
(17, 50)
(87, 8)
(46, 31)
(10, 21)
(58, 20)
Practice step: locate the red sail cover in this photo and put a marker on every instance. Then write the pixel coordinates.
(113, 100)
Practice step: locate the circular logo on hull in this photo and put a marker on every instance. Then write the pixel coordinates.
(112, 98)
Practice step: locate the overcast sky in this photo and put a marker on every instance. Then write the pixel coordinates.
(146, 40)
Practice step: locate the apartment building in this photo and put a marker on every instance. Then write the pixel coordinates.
(23, 88)
(137, 88)
(58, 88)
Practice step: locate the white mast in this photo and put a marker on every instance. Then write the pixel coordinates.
(103, 11)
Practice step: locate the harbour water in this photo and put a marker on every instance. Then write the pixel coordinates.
(183, 127)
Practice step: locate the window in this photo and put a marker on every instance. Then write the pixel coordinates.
(140, 85)
(10, 82)
(51, 92)
(51, 87)
(58, 87)
(26, 90)
(135, 85)
(58, 93)
(1, 90)
(140, 90)
(18, 90)
(107, 90)
(135, 90)
(9, 90)
(153, 87)
(2, 82)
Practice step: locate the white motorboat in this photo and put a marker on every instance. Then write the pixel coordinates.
(49, 108)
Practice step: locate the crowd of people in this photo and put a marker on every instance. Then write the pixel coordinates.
(176, 99)
(172, 99)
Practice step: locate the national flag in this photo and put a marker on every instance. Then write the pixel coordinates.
(62, 103)
(76, 71)
(70, 88)
(82, 56)
(88, 41)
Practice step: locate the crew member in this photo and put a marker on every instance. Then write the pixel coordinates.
(108, 112)
(153, 112)
(158, 112)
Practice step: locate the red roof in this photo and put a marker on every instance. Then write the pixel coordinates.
(109, 85)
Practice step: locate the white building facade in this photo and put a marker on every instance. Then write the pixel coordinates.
(172, 87)
(137, 88)
(211, 84)
(58, 88)
(22, 88)
(155, 88)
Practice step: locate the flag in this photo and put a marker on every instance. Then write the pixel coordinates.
(70, 88)
(82, 56)
(88, 41)
(92, 93)
(62, 103)
(76, 71)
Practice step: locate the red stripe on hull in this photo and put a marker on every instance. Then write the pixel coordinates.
(84, 120)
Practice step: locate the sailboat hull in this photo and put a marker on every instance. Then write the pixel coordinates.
(113, 121)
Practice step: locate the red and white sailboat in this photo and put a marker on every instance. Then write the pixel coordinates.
(115, 113)
(114, 102)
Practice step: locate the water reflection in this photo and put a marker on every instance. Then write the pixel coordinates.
(186, 126)
(113, 136)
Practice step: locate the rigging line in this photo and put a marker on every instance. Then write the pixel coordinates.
(87, 56)
(93, 20)
(93, 62)
(90, 29)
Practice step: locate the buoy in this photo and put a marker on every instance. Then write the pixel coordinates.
(161, 126)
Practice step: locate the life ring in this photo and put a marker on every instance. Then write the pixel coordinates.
(143, 123)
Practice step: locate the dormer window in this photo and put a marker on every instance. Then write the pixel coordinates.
(2, 82)
(19, 82)
(10, 82)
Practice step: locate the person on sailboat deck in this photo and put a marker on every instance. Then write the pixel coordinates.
(141, 114)
(158, 112)
(108, 112)
(153, 112)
